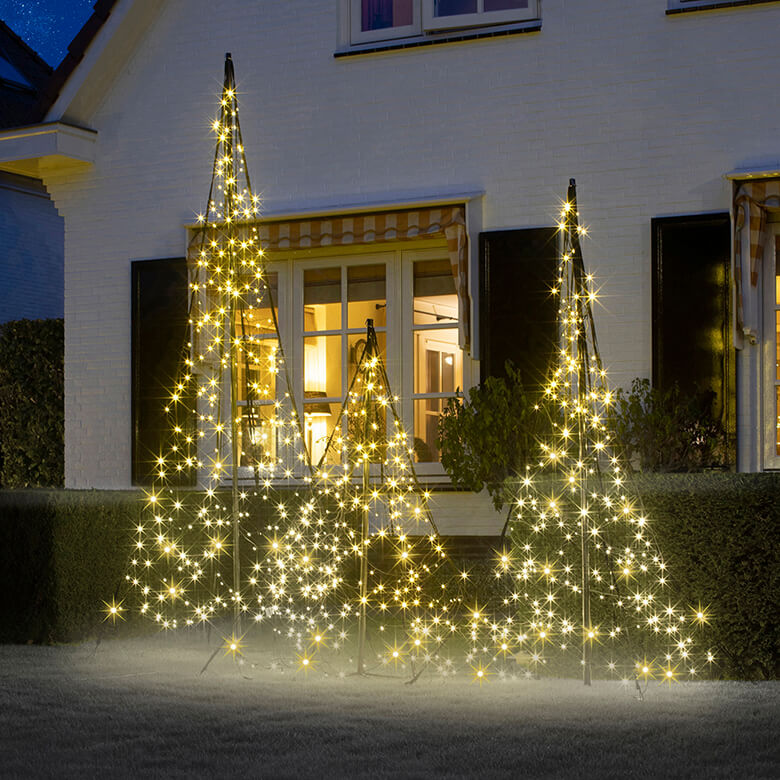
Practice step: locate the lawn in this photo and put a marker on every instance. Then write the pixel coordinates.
(139, 707)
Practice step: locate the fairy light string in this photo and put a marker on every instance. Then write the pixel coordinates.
(343, 557)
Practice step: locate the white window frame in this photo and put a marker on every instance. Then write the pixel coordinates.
(769, 349)
(479, 19)
(398, 261)
(425, 22)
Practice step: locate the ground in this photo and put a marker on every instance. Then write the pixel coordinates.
(140, 707)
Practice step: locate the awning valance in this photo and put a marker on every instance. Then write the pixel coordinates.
(448, 222)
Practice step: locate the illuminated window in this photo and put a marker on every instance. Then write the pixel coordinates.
(257, 377)
(438, 362)
(323, 305)
(337, 302)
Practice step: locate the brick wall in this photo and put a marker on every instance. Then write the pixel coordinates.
(647, 111)
(31, 251)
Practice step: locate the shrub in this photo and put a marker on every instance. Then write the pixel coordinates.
(668, 430)
(489, 436)
(719, 533)
(62, 554)
(31, 405)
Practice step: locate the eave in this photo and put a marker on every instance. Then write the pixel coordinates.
(36, 149)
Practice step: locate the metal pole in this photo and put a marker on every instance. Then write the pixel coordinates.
(578, 287)
(367, 355)
(230, 192)
(363, 573)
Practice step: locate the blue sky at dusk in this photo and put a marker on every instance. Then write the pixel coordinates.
(48, 26)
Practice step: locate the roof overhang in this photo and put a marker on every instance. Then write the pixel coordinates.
(33, 150)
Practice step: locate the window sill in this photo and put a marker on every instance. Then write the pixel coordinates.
(450, 36)
(715, 6)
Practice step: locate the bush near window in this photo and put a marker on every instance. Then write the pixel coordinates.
(31, 403)
(667, 430)
(489, 436)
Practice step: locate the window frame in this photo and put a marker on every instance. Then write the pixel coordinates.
(480, 18)
(427, 26)
(398, 259)
(689, 6)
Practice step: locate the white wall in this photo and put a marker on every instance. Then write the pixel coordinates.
(31, 251)
(647, 111)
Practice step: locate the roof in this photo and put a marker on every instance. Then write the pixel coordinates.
(28, 85)
(23, 74)
(76, 50)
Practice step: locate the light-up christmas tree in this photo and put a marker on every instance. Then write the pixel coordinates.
(263, 537)
(393, 603)
(234, 431)
(582, 572)
(345, 555)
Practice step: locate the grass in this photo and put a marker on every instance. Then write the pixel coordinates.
(139, 707)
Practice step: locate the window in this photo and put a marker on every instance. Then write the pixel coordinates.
(438, 363)
(691, 326)
(258, 380)
(446, 14)
(338, 300)
(323, 305)
(378, 20)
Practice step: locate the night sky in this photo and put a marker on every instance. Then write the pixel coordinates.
(48, 26)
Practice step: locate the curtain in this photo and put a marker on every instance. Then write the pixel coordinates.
(752, 199)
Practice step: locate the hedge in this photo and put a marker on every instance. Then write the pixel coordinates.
(31, 403)
(720, 534)
(63, 553)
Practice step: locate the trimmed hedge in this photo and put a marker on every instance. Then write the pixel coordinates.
(720, 535)
(63, 553)
(31, 403)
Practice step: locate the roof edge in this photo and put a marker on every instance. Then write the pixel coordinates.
(26, 46)
(77, 48)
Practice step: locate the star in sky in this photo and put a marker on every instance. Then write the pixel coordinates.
(47, 26)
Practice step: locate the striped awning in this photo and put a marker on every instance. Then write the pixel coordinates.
(448, 222)
(752, 200)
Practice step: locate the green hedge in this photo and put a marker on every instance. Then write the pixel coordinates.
(63, 553)
(31, 405)
(720, 535)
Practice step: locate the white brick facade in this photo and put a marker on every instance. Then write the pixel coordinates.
(647, 111)
(30, 251)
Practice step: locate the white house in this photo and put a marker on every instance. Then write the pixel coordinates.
(472, 112)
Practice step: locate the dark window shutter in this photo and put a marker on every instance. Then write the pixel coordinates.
(691, 309)
(159, 334)
(518, 313)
